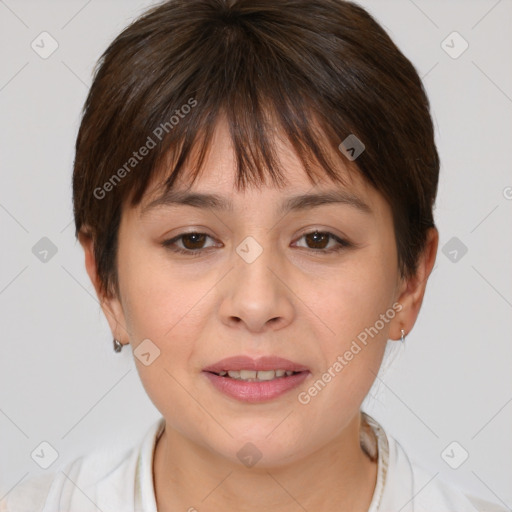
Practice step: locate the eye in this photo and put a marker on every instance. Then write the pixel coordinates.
(193, 243)
(320, 241)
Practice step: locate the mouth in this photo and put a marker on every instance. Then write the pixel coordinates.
(255, 375)
(255, 380)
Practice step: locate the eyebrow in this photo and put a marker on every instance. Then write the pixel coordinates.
(293, 203)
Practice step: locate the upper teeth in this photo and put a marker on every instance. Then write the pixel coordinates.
(256, 375)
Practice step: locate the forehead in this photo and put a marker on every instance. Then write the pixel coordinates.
(217, 178)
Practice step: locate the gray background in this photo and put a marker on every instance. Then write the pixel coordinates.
(60, 380)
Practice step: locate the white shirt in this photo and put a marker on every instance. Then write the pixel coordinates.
(123, 482)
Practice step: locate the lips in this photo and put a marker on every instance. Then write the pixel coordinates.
(255, 380)
(265, 363)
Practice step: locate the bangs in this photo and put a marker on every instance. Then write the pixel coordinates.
(254, 148)
(260, 96)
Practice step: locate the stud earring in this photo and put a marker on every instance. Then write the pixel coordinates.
(118, 346)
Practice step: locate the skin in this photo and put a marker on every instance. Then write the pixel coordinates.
(292, 302)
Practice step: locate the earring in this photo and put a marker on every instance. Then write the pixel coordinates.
(118, 346)
(402, 338)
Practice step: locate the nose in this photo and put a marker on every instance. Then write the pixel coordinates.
(255, 294)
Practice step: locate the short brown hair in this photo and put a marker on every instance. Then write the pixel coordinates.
(165, 80)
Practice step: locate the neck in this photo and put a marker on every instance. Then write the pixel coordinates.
(337, 476)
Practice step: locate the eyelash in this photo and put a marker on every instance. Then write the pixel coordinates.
(342, 244)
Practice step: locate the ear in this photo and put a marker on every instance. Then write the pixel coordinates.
(111, 306)
(412, 290)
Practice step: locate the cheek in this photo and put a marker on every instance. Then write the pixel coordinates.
(350, 298)
(351, 330)
(162, 307)
(158, 300)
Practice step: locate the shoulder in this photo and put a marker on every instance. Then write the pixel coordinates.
(434, 494)
(77, 485)
(29, 495)
(431, 493)
(108, 478)
(409, 487)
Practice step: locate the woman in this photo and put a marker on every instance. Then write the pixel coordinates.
(253, 189)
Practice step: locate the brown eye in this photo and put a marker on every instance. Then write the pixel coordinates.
(193, 241)
(318, 241)
(192, 244)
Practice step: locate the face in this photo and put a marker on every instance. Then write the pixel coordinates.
(258, 282)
